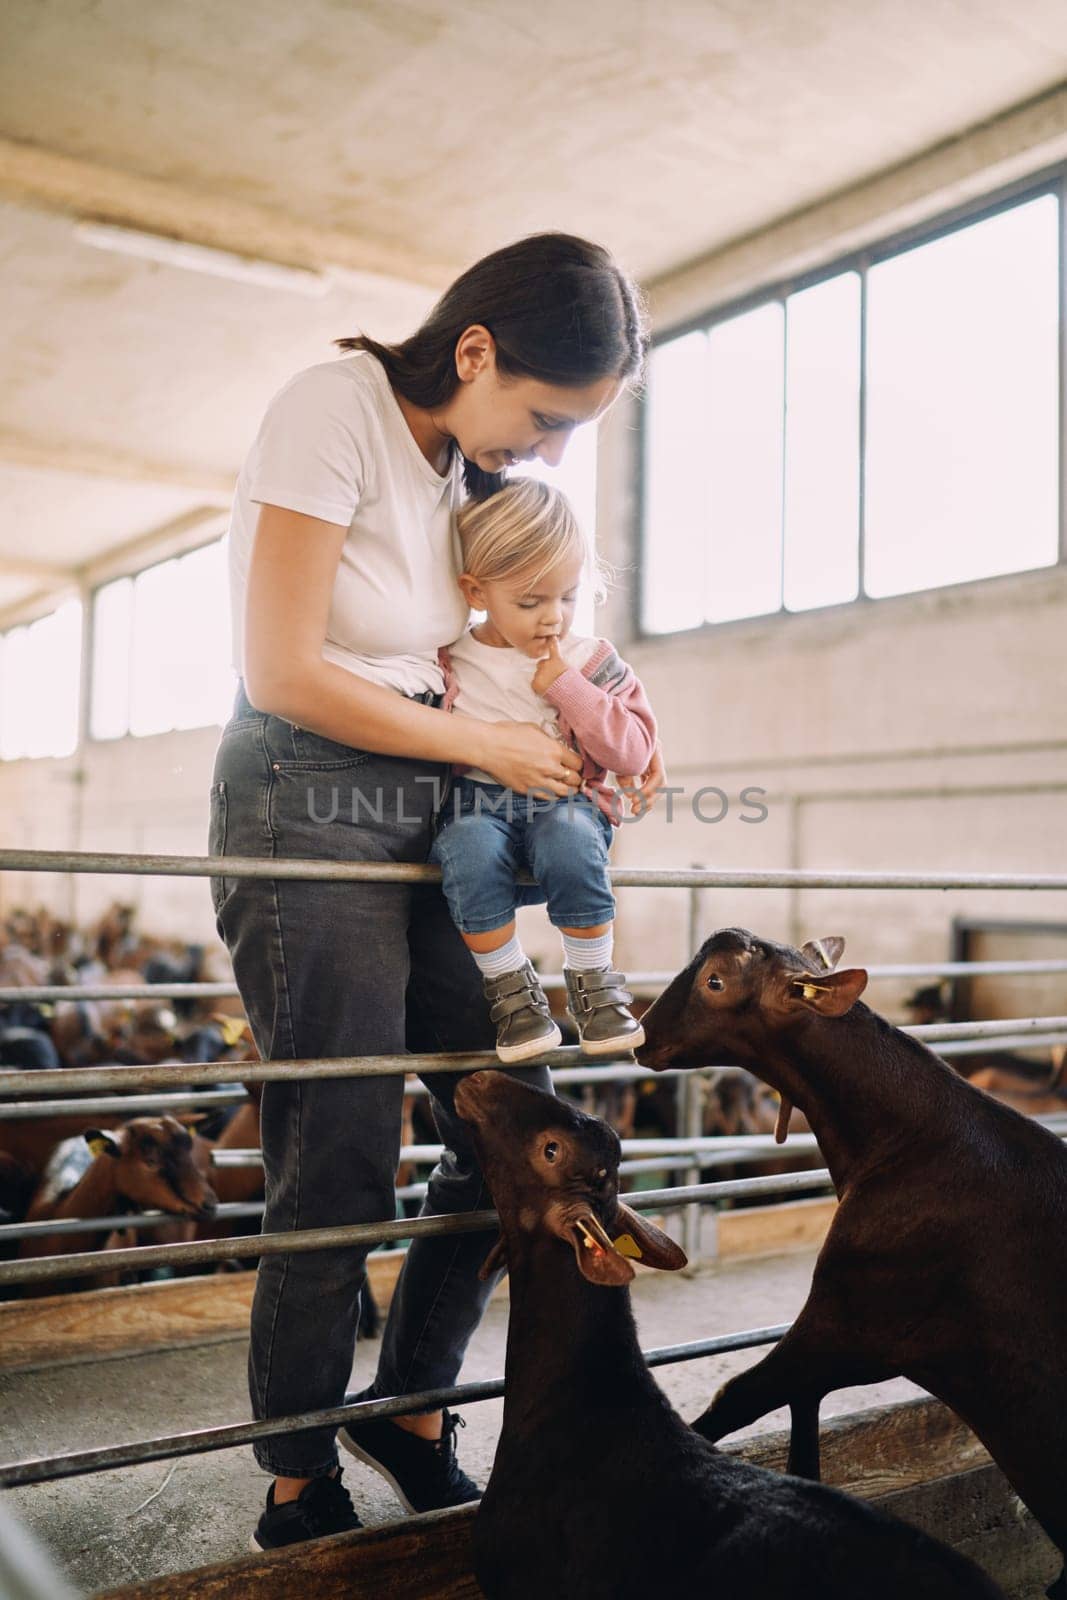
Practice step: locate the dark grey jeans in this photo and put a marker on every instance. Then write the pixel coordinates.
(337, 969)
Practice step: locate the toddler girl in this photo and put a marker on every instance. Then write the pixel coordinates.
(524, 557)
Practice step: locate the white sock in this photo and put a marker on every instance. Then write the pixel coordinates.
(494, 963)
(588, 955)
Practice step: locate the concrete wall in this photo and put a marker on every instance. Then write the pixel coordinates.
(146, 796)
(923, 732)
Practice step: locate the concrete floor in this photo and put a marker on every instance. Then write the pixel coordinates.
(115, 1527)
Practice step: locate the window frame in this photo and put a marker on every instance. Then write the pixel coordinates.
(62, 597)
(94, 589)
(1049, 180)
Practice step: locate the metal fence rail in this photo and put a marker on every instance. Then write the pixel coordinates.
(88, 1263)
(168, 1078)
(134, 1104)
(166, 1075)
(45, 1469)
(281, 867)
(666, 1155)
(549, 980)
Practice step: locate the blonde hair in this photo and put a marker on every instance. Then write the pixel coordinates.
(524, 530)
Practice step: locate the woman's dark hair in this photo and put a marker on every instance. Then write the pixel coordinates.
(559, 310)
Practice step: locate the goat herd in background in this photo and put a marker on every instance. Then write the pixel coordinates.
(946, 1263)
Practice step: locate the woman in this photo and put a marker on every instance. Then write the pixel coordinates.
(343, 585)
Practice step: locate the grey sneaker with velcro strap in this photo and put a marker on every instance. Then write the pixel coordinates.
(517, 1005)
(597, 1001)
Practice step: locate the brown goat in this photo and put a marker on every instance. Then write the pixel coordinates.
(1021, 1093)
(947, 1259)
(235, 1185)
(31, 1140)
(599, 1490)
(149, 1164)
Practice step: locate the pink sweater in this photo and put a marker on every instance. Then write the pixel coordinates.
(604, 714)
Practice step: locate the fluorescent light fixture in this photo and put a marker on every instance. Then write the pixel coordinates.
(202, 258)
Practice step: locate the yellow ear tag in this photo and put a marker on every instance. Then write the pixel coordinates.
(627, 1245)
(232, 1029)
(97, 1146)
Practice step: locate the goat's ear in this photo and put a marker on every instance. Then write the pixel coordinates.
(642, 1241)
(101, 1143)
(594, 1250)
(832, 994)
(824, 953)
(495, 1261)
(601, 1264)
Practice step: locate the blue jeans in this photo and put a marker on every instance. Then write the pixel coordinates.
(337, 969)
(486, 834)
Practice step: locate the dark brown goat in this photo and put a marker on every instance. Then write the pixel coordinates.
(947, 1258)
(1023, 1094)
(599, 1489)
(149, 1164)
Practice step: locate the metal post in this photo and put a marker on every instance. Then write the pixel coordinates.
(691, 1091)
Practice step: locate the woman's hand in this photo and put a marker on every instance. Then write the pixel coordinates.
(642, 789)
(522, 757)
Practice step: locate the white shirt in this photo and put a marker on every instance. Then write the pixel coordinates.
(495, 684)
(334, 444)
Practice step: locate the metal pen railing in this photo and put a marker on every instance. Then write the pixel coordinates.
(90, 1080)
(50, 992)
(46, 1469)
(281, 868)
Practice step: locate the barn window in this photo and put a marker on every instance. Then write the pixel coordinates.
(962, 419)
(39, 684)
(161, 648)
(889, 425)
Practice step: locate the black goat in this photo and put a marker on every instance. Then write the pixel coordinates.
(947, 1257)
(599, 1490)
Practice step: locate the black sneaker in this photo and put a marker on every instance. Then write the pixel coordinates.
(323, 1506)
(423, 1473)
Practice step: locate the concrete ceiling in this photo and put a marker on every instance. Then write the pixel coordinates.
(398, 139)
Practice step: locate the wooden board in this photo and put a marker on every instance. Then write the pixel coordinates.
(103, 1322)
(422, 1558)
(763, 1230)
(880, 1451)
(158, 1316)
(871, 1453)
(145, 1316)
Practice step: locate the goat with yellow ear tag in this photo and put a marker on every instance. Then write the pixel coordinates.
(946, 1260)
(599, 1490)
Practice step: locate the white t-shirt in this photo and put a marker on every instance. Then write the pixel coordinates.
(495, 684)
(334, 444)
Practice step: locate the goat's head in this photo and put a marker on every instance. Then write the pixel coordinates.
(741, 998)
(152, 1031)
(736, 1103)
(553, 1169)
(137, 1032)
(78, 1033)
(738, 993)
(156, 1165)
